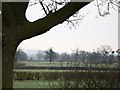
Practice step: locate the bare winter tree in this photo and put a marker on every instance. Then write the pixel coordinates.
(16, 28)
(76, 54)
(105, 50)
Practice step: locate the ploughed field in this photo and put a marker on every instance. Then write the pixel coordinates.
(36, 74)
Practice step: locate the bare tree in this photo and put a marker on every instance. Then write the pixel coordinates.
(105, 50)
(16, 28)
(76, 54)
(40, 55)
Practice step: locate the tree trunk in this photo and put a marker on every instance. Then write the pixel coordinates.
(7, 68)
(9, 46)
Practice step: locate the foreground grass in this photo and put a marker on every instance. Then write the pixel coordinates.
(31, 84)
(38, 84)
(61, 83)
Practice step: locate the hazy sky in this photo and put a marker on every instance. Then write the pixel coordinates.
(91, 33)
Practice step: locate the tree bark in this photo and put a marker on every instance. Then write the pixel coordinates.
(7, 68)
(9, 46)
(16, 28)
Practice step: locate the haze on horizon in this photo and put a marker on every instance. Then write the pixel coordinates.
(92, 32)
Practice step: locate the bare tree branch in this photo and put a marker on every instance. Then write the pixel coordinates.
(107, 4)
(43, 6)
(45, 24)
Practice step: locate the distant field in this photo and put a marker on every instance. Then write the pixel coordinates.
(64, 64)
(39, 63)
(39, 70)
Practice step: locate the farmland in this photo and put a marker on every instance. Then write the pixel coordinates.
(65, 64)
(52, 78)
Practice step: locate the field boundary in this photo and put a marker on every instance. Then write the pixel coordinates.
(68, 68)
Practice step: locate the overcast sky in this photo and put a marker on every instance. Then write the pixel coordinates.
(92, 32)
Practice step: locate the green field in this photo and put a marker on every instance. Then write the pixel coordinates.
(39, 70)
(31, 84)
(65, 78)
(38, 84)
(65, 64)
(64, 84)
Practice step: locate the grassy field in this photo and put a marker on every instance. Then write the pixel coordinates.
(65, 64)
(39, 70)
(38, 84)
(65, 84)
(55, 79)
(51, 79)
(31, 84)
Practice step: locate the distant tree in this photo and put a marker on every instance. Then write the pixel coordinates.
(118, 51)
(91, 57)
(65, 57)
(104, 51)
(111, 60)
(20, 55)
(40, 55)
(50, 54)
(75, 54)
(56, 56)
(83, 56)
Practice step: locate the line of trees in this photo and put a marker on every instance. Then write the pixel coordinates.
(103, 54)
